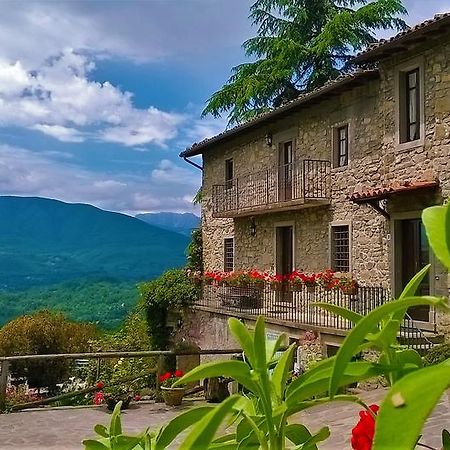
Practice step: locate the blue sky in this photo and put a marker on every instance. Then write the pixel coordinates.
(97, 98)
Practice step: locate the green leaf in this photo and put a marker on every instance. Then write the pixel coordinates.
(297, 433)
(203, 433)
(409, 402)
(90, 444)
(310, 444)
(115, 426)
(238, 370)
(359, 332)
(127, 442)
(354, 371)
(445, 440)
(281, 371)
(170, 431)
(437, 225)
(410, 290)
(341, 311)
(260, 344)
(101, 430)
(243, 336)
(413, 284)
(273, 346)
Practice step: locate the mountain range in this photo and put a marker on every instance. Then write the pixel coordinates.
(44, 241)
(182, 223)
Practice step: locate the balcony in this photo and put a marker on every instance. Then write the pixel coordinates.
(301, 184)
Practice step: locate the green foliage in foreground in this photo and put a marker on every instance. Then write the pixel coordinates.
(260, 418)
(105, 303)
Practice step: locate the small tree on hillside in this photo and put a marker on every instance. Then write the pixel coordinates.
(44, 332)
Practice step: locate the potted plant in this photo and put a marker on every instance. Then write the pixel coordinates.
(327, 279)
(310, 281)
(116, 394)
(172, 396)
(276, 282)
(295, 280)
(347, 284)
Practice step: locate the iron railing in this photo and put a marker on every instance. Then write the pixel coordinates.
(301, 180)
(297, 308)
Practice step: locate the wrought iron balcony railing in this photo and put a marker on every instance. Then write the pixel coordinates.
(305, 182)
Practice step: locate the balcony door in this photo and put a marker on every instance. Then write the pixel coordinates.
(285, 159)
(284, 250)
(412, 254)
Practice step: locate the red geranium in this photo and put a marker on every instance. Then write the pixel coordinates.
(164, 377)
(100, 385)
(362, 434)
(98, 398)
(178, 373)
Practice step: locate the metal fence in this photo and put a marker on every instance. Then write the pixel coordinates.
(300, 180)
(295, 307)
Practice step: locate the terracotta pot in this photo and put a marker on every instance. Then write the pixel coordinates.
(172, 396)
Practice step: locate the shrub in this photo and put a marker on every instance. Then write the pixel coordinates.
(40, 333)
(437, 355)
(195, 251)
(173, 290)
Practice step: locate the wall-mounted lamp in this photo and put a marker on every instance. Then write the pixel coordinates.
(269, 139)
(252, 227)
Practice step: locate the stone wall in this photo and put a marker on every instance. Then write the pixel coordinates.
(375, 159)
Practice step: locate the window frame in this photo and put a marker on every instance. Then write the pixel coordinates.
(402, 105)
(225, 261)
(229, 182)
(332, 258)
(335, 144)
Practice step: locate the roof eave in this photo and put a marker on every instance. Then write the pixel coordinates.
(353, 79)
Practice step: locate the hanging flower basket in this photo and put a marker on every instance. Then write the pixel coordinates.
(310, 288)
(173, 396)
(351, 290)
(296, 287)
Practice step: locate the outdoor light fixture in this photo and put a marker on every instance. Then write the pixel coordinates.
(252, 227)
(269, 139)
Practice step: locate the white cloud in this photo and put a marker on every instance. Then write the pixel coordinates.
(26, 173)
(64, 134)
(58, 99)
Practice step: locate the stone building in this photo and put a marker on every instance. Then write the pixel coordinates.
(338, 178)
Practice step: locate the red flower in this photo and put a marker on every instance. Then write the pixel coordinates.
(100, 385)
(98, 398)
(137, 397)
(362, 434)
(164, 377)
(178, 373)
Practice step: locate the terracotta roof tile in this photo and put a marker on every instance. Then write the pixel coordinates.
(374, 50)
(382, 192)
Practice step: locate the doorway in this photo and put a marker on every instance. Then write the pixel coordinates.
(284, 250)
(412, 253)
(285, 160)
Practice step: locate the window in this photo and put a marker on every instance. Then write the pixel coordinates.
(410, 108)
(228, 173)
(340, 248)
(340, 146)
(228, 254)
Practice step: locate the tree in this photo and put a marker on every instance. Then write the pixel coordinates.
(300, 45)
(44, 332)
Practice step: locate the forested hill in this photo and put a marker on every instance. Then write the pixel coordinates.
(45, 241)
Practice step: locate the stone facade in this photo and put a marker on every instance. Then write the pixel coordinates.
(375, 159)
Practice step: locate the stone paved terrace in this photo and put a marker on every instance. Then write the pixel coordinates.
(64, 428)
